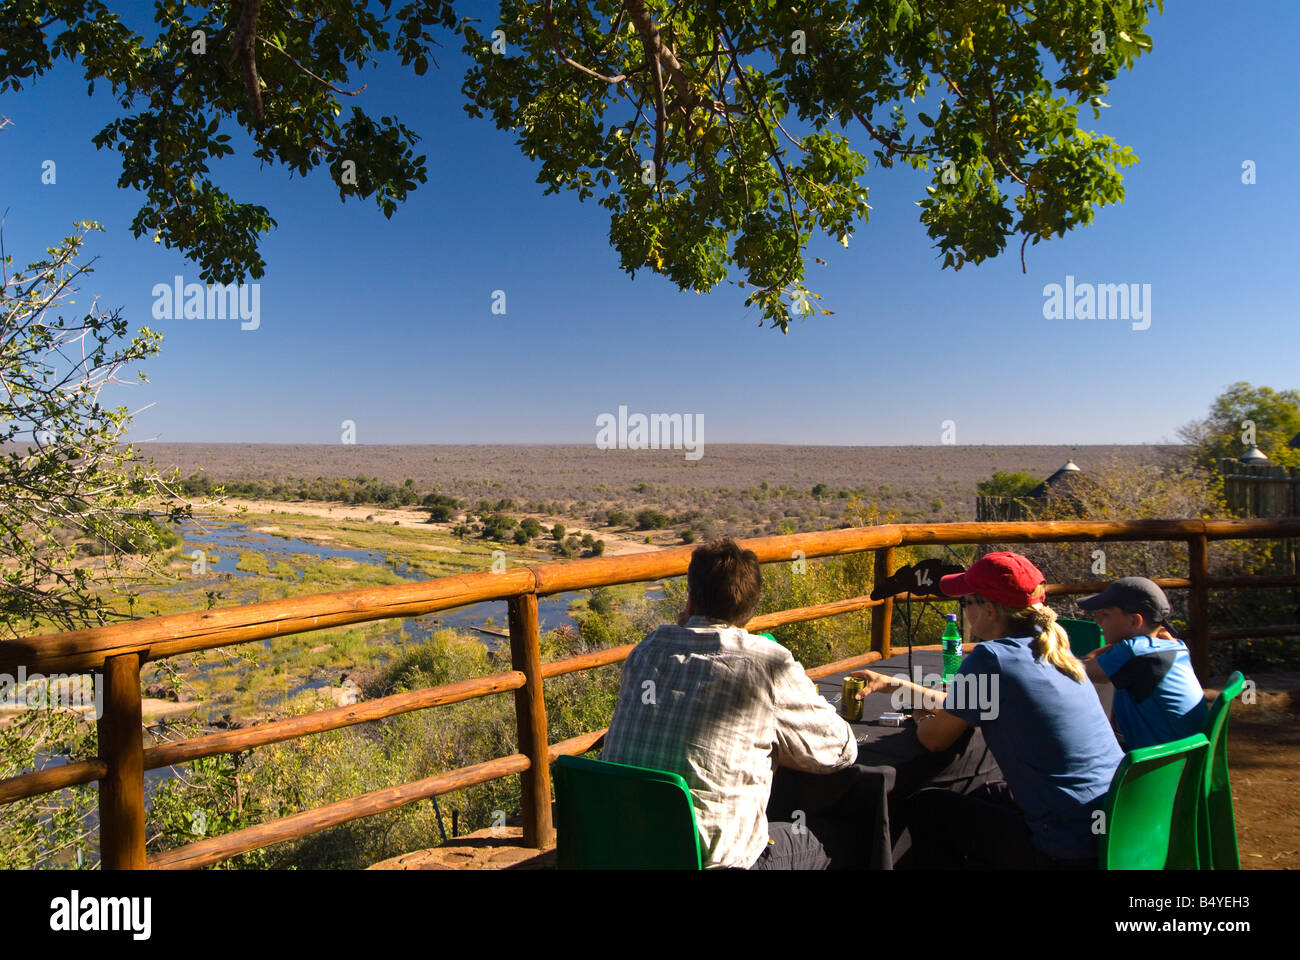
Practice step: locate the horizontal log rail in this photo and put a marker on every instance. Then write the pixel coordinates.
(1241, 633)
(600, 658)
(158, 637)
(140, 641)
(307, 822)
(236, 741)
(51, 779)
(216, 849)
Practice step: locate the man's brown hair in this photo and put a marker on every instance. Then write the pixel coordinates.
(724, 581)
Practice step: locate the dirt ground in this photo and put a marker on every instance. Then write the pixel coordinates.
(1264, 764)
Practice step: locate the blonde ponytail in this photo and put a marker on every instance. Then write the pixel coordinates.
(1053, 644)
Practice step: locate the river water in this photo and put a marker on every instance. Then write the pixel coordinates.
(226, 540)
(487, 621)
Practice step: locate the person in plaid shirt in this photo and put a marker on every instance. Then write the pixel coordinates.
(722, 707)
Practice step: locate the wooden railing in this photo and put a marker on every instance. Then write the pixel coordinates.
(118, 652)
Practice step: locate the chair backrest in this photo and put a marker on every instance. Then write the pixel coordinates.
(1151, 810)
(611, 816)
(1218, 825)
(1085, 635)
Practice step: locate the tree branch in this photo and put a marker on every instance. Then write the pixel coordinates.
(661, 113)
(242, 48)
(347, 93)
(687, 98)
(548, 21)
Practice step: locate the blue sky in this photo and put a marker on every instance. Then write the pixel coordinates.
(388, 323)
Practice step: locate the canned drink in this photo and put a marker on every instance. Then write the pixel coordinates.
(850, 705)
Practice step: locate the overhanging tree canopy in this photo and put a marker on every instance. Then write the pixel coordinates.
(718, 138)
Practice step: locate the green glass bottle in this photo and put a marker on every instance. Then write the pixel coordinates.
(951, 648)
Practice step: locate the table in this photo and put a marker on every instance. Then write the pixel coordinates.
(891, 766)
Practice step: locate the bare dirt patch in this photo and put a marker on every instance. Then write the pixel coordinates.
(1264, 764)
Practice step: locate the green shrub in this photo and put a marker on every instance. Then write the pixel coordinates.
(652, 520)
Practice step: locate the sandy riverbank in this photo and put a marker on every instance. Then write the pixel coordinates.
(616, 544)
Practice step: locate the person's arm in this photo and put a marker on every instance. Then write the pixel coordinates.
(810, 735)
(1102, 664)
(923, 697)
(1093, 669)
(936, 729)
(939, 730)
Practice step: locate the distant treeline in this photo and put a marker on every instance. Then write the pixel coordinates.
(363, 490)
(355, 490)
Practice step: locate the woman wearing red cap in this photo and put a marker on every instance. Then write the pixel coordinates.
(1040, 718)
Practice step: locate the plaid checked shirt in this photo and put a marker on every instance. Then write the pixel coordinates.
(721, 707)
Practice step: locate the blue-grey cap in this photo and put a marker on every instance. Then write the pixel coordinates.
(1132, 595)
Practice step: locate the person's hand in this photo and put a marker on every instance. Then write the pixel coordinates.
(1163, 634)
(682, 618)
(875, 682)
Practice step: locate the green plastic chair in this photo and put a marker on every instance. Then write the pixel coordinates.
(1152, 806)
(1085, 635)
(611, 816)
(1218, 825)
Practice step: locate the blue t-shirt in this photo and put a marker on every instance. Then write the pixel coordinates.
(1048, 733)
(1157, 695)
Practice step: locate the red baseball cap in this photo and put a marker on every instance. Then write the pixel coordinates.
(1005, 578)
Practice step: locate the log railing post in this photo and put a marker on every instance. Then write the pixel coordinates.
(1198, 606)
(121, 746)
(883, 615)
(530, 720)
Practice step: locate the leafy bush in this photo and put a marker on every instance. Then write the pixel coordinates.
(1006, 484)
(498, 526)
(52, 829)
(652, 520)
(448, 656)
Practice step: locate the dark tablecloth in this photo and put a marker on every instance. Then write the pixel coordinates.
(891, 766)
